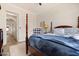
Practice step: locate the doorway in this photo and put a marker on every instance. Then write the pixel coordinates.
(11, 28)
(11, 31)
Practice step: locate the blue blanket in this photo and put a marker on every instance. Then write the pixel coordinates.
(55, 45)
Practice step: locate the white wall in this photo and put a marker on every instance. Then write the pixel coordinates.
(62, 14)
(21, 20)
(31, 23)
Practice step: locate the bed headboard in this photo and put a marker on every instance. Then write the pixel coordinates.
(63, 26)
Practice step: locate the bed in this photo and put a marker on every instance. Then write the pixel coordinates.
(36, 52)
(51, 45)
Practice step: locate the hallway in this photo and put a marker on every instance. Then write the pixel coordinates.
(11, 40)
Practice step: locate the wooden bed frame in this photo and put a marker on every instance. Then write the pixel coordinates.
(36, 52)
(63, 26)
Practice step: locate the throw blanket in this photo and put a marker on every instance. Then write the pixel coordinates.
(55, 45)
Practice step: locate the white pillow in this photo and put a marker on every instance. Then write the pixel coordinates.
(71, 31)
(49, 34)
(76, 36)
(59, 31)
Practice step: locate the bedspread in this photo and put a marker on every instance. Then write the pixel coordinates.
(52, 45)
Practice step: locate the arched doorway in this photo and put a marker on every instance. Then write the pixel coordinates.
(11, 28)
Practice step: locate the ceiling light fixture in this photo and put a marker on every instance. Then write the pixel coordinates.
(40, 4)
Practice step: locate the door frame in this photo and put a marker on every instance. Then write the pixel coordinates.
(17, 23)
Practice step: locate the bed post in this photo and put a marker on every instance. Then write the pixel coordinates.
(51, 27)
(78, 22)
(26, 33)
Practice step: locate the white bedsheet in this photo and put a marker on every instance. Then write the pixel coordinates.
(75, 36)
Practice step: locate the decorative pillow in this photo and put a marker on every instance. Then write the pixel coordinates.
(59, 31)
(37, 31)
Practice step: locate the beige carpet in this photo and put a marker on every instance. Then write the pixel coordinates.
(10, 41)
(13, 48)
(18, 50)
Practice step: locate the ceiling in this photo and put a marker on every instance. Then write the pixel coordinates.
(44, 8)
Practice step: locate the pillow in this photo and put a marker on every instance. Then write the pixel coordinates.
(76, 36)
(37, 31)
(71, 31)
(58, 31)
(49, 34)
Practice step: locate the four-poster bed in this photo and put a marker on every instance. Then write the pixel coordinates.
(26, 33)
(34, 51)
